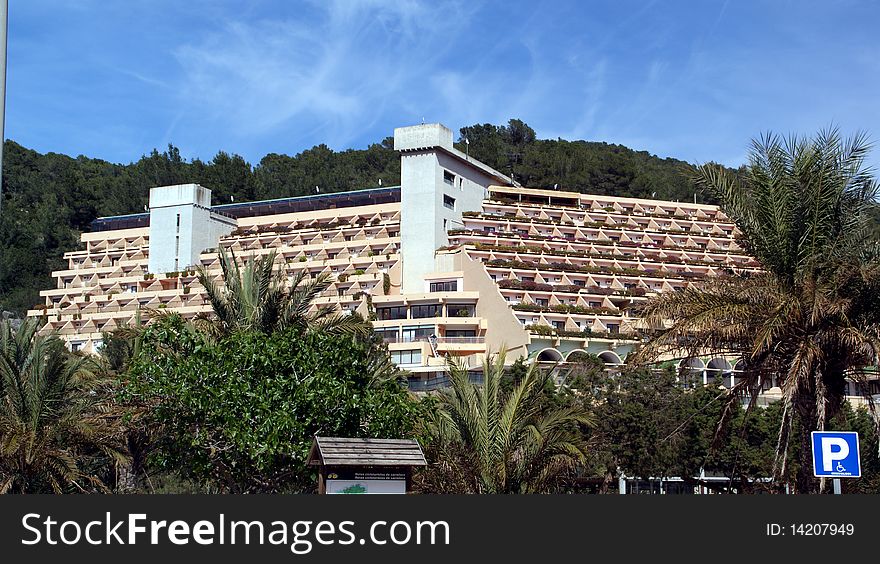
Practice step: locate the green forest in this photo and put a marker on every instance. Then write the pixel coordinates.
(49, 199)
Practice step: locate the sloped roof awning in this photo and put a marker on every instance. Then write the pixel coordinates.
(341, 451)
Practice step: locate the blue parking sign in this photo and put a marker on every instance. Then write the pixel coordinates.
(836, 455)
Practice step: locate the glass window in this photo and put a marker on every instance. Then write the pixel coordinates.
(450, 286)
(407, 357)
(429, 310)
(387, 335)
(448, 202)
(413, 334)
(385, 313)
(460, 333)
(448, 177)
(460, 310)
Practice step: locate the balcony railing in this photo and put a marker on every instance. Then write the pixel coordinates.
(439, 340)
(460, 340)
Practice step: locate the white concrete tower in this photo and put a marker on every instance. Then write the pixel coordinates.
(182, 225)
(437, 184)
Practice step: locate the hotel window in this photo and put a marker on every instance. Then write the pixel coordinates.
(448, 202)
(415, 334)
(423, 311)
(460, 310)
(613, 328)
(558, 324)
(541, 301)
(450, 286)
(386, 313)
(448, 177)
(407, 357)
(460, 333)
(488, 229)
(387, 335)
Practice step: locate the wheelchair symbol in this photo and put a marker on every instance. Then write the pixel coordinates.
(840, 468)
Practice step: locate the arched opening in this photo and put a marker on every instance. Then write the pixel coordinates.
(691, 372)
(549, 355)
(720, 368)
(576, 355)
(610, 358)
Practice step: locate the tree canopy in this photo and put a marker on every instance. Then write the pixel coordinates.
(238, 414)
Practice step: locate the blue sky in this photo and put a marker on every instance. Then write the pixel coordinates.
(693, 80)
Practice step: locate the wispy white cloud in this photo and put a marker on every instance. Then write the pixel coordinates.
(334, 73)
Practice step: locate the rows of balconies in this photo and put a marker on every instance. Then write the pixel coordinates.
(316, 226)
(585, 264)
(600, 220)
(342, 236)
(623, 235)
(508, 241)
(651, 208)
(579, 217)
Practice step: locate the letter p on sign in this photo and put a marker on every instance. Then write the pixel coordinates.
(834, 449)
(836, 454)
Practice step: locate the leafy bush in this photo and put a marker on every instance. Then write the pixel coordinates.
(240, 413)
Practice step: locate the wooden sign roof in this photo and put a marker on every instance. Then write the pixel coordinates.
(342, 451)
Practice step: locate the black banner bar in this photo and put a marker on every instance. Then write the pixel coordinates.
(432, 528)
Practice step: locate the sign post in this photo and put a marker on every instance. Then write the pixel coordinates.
(836, 456)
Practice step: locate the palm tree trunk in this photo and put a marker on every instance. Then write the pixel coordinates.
(805, 481)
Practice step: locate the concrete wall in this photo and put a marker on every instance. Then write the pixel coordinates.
(182, 226)
(426, 162)
(503, 332)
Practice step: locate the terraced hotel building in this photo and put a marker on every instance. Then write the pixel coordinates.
(456, 261)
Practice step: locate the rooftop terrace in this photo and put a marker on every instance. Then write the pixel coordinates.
(352, 198)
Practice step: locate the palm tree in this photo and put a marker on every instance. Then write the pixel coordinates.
(254, 297)
(810, 317)
(486, 441)
(58, 430)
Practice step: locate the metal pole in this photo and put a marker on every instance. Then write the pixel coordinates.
(4, 21)
(836, 482)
